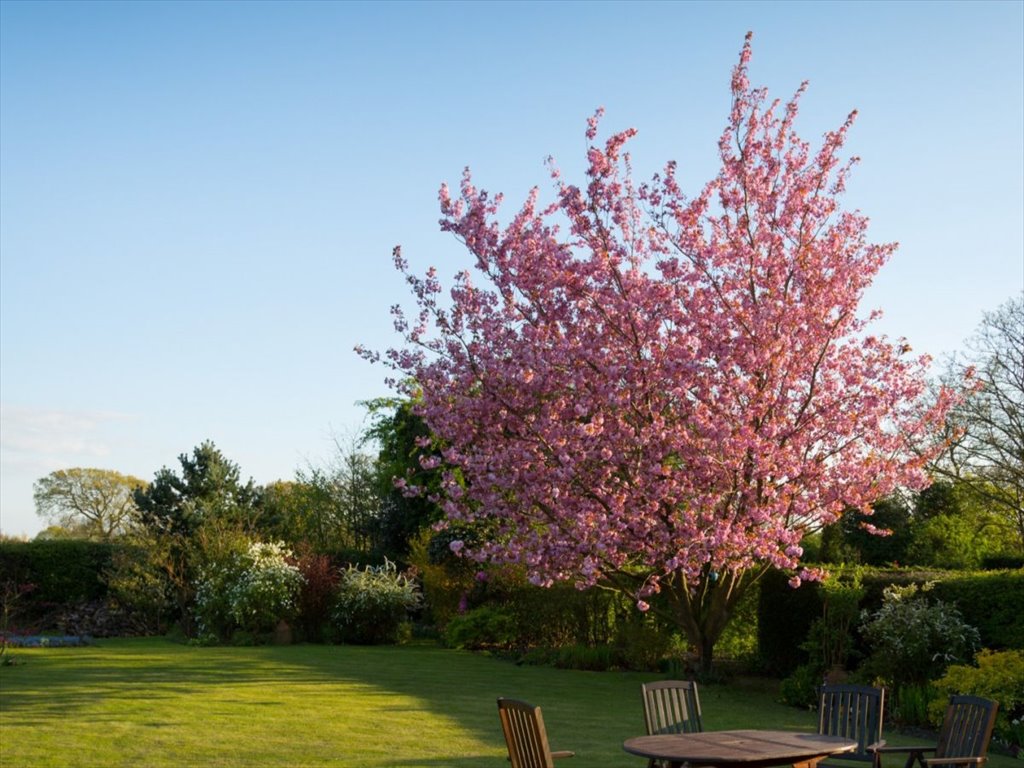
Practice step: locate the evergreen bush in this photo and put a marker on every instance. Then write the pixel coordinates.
(481, 628)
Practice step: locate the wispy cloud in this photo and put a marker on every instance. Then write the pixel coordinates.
(47, 438)
(36, 441)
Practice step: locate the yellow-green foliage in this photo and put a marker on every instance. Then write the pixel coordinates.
(444, 588)
(999, 675)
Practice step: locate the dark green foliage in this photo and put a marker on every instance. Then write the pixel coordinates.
(939, 498)
(800, 689)
(138, 588)
(209, 487)
(402, 439)
(739, 638)
(481, 628)
(992, 601)
(908, 703)
(642, 642)
(556, 616)
(186, 518)
(784, 618)
(1001, 562)
(847, 541)
(593, 658)
(63, 571)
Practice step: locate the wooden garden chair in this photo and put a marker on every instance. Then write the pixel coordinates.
(671, 706)
(963, 739)
(853, 712)
(525, 736)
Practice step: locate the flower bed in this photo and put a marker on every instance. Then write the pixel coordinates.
(47, 641)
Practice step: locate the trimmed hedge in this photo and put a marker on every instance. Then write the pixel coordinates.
(62, 571)
(784, 617)
(991, 601)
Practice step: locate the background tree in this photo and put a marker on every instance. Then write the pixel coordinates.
(987, 453)
(403, 441)
(665, 395)
(952, 527)
(185, 515)
(283, 508)
(96, 503)
(340, 500)
(851, 540)
(943, 526)
(209, 487)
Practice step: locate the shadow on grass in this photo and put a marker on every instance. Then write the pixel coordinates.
(590, 713)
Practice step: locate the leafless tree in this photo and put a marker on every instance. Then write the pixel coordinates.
(986, 450)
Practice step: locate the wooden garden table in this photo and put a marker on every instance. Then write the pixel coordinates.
(738, 749)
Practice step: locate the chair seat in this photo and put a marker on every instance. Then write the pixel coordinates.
(963, 738)
(525, 735)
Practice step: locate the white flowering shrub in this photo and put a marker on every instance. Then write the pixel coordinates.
(373, 603)
(913, 639)
(267, 589)
(252, 590)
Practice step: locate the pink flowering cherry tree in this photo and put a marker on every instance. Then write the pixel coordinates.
(661, 394)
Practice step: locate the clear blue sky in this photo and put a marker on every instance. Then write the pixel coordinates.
(198, 201)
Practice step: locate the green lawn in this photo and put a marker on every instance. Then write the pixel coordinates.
(152, 703)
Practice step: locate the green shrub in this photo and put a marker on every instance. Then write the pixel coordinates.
(739, 638)
(913, 639)
(800, 689)
(592, 658)
(998, 675)
(139, 588)
(990, 601)
(643, 644)
(481, 628)
(372, 604)
(909, 703)
(555, 616)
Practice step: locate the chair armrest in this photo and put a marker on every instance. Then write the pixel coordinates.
(955, 761)
(563, 753)
(880, 747)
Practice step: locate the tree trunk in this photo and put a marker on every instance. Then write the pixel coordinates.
(703, 609)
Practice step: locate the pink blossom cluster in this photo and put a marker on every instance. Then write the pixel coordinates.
(634, 380)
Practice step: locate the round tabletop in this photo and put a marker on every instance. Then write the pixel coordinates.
(743, 749)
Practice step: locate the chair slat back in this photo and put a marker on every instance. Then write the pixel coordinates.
(967, 727)
(853, 712)
(671, 706)
(525, 736)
